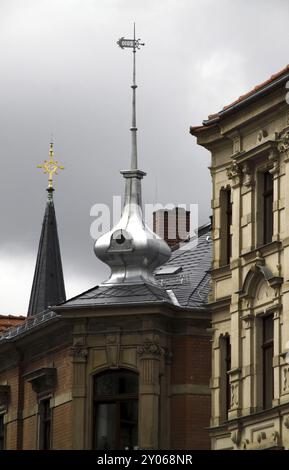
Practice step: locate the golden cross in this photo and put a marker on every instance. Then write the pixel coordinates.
(50, 167)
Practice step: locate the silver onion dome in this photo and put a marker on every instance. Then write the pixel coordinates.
(131, 249)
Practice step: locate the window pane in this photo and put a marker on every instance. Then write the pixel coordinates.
(115, 383)
(128, 424)
(268, 377)
(116, 410)
(268, 351)
(106, 426)
(45, 424)
(268, 328)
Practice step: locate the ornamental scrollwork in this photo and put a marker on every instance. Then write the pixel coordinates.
(234, 170)
(78, 352)
(283, 142)
(150, 347)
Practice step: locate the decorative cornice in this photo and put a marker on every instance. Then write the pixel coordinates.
(151, 349)
(43, 380)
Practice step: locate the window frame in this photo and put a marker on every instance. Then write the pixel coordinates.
(260, 231)
(43, 420)
(267, 345)
(117, 399)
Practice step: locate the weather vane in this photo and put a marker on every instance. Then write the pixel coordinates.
(134, 44)
(50, 167)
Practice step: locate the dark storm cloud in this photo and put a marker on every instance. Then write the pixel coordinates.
(62, 73)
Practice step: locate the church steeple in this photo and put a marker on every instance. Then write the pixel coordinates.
(131, 249)
(48, 283)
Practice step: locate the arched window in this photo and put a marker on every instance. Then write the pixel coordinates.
(115, 410)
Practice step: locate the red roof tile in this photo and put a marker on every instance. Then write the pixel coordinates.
(207, 124)
(258, 87)
(8, 321)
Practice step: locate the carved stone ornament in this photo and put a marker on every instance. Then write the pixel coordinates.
(236, 144)
(79, 352)
(236, 437)
(112, 341)
(286, 422)
(283, 141)
(150, 347)
(43, 380)
(261, 436)
(247, 175)
(245, 443)
(234, 396)
(262, 134)
(234, 171)
(248, 321)
(285, 386)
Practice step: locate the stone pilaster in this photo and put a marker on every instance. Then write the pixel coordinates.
(79, 354)
(150, 353)
(275, 171)
(248, 210)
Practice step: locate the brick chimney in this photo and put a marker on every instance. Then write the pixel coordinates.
(173, 225)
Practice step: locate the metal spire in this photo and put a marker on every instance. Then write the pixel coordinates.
(134, 44)
(131, 249)
(48, 283)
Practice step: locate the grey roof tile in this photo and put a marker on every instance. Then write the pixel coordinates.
(191, 286)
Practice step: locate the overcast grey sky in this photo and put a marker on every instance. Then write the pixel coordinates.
(62, 73)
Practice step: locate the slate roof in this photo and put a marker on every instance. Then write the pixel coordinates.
(191, 284)
(188, 288)
(48, 283)
(118, 295)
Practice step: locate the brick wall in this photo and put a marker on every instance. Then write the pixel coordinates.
(30, 432)
(62, 427)
(61, 404)
(190, 410)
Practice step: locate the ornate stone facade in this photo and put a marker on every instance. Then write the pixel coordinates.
(254, 285)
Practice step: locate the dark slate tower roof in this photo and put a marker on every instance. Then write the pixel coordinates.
(48, 283)
(184, 281)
